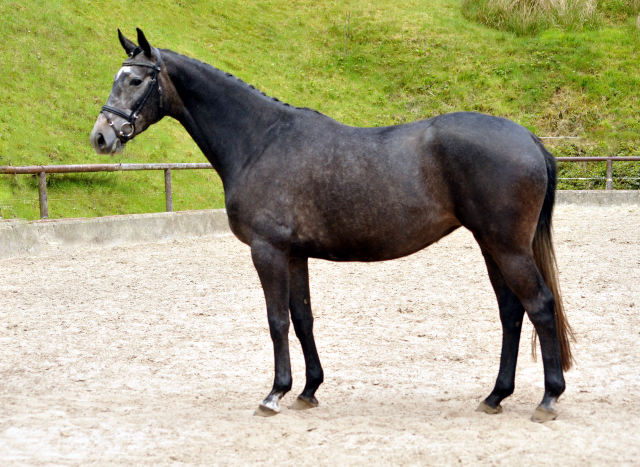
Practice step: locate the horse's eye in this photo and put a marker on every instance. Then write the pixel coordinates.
(136, 82)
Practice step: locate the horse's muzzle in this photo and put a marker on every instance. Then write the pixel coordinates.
(103, 138)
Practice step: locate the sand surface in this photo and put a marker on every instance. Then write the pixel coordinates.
(158, 354)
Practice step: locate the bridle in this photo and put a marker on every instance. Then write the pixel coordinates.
(128, 127)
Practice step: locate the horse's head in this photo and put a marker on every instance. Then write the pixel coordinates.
(136, 99)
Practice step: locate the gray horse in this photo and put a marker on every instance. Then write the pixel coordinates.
(300, 185)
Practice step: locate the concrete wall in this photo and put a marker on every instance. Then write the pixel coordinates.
(598, 197)
(22, 238)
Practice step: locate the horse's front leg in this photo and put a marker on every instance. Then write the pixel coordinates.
(272, 265)
(300, 306)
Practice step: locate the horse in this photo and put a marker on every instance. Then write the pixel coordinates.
(299, 185)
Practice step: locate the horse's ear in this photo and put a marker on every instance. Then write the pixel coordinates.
(143, 43)
(127, 45)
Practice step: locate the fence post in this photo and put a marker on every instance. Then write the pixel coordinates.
(42, 195)
(609, 174)
(168, 195)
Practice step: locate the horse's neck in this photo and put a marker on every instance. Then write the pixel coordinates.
(226, 117)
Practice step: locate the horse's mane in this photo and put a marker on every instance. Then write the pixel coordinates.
(211, 69)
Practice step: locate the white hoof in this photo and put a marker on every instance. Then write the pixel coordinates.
(267, 409)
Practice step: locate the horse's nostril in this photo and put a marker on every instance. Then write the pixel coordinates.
(101, 141)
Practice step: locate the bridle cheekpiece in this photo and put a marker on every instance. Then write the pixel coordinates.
(128, 127)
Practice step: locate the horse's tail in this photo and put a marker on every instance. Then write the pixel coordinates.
(545, 259)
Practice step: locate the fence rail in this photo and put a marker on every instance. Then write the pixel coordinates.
(43, 170)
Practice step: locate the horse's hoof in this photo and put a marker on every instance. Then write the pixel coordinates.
(484, 407)
(304, 403)
(265, 411)
(543, 414)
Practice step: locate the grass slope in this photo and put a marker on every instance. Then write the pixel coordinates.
(362, 62)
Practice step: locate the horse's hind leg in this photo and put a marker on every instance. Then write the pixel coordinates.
(523, 278)
(300, 306)
(511, 314)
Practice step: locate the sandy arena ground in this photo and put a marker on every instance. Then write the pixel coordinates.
(158, 354)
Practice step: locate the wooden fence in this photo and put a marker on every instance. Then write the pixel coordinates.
(43, 170)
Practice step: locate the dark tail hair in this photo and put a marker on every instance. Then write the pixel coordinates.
(544, 256)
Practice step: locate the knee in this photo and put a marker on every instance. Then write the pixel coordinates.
(278, 327)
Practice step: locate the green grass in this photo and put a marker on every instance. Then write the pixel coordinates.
(525, 17)
(391, 62)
